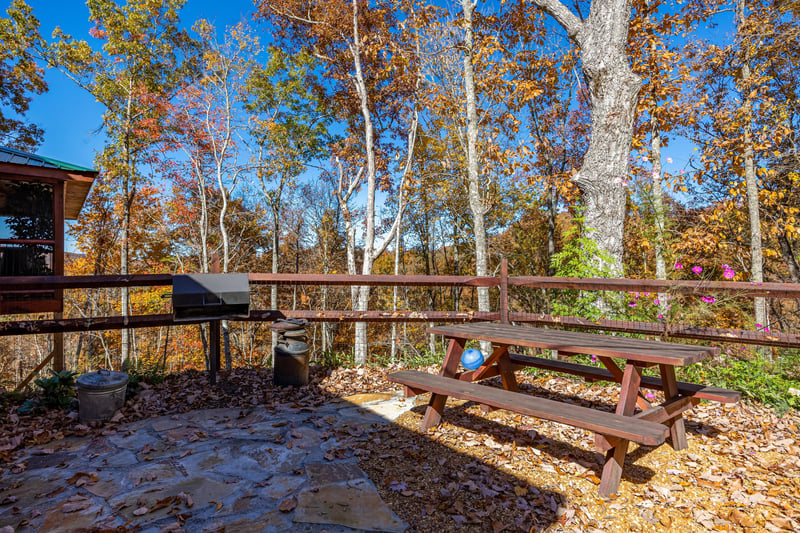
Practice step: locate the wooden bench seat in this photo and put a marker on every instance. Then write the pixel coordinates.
(592, 373)
(602, 422)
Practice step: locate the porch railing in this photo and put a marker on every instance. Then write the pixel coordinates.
(662, 329)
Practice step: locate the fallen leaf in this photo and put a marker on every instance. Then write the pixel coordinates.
(187, 499)
(160, 504)
(288, 505)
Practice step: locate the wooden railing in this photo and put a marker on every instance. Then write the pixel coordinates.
(504, 313)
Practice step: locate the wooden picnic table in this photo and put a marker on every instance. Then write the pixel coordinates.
(650, 426)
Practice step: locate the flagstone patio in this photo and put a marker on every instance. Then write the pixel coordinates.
(281, 468)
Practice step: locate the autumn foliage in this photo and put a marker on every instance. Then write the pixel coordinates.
(332, 137)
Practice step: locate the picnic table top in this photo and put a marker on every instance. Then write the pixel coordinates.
(646, 351)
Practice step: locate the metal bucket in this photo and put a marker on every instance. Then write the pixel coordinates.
(100, 394)
(291, 354)
(291, 363)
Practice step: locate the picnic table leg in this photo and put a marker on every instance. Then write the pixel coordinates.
(677, 430)
(615, 457)
(507, 371)
(433, 414)
(617, 372)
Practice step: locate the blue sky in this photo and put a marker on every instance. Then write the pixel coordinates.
(70, 117)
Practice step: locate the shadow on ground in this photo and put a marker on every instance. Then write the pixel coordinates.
(287, 464)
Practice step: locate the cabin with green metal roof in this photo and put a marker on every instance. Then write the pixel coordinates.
(37, 194)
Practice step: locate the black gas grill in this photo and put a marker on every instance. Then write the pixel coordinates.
(210, 297)
(199, 297)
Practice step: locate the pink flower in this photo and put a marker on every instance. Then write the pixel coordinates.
(594, 359)
(697, 269)
(678, 266)
(669, 160)
(632, 304)
(708, 299)
(729, 272)
(660, 316)
(649, 395)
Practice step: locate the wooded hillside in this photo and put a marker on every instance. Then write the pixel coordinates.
(643, 139)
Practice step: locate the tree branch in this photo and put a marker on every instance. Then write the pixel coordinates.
(571, 23)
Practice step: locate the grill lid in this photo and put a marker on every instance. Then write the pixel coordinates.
(210, 296)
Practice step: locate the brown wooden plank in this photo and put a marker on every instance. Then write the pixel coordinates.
(83, 282)
(612, 469)
(670, 387)
(591, 373)
(472, 375)
(668, 410)
(35, 371)
(31, 327)
(374, 280)
(391, 316)
(433, 414)
(649, 433)
(662, 329)
(580, 342)
(729, 288)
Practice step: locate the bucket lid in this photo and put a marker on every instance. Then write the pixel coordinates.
(102, 380)
(287, 324)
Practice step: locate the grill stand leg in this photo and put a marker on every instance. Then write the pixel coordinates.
(213, 350)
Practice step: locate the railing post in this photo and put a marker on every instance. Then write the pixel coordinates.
(504, 291)
(58, 346)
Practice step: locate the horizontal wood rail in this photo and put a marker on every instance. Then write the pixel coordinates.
(50, 242)
(660, 329)
(729, 288)
(70, 325)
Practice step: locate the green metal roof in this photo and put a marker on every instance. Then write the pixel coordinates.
(18, 157)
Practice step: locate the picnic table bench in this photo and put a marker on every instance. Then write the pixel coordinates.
(652, 425)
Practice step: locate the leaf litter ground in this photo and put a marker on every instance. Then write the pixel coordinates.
(501, 471)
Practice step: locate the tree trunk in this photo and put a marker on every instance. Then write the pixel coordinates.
(273, 289)
(751, 180)
(127, 199)
(397, 242)
(613, 90)
(658, 208)
(787, 253)
(476, 205)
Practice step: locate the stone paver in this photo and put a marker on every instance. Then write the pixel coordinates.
(261, 469)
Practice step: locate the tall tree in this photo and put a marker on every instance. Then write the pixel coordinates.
(745, 125)
(362, 51)
(602, 38)
(288, 126)
(20, 76)
(745, 85)
(138, 66)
